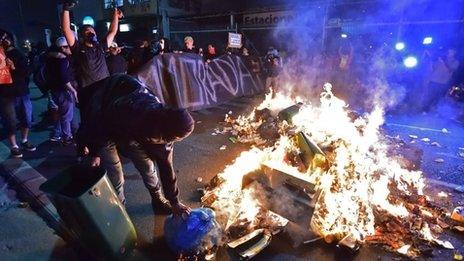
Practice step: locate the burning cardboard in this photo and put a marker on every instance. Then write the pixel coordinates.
(360, 192)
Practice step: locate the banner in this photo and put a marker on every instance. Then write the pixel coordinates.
(5, 75)
(186, 81)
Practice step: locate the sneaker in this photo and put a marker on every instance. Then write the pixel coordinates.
(55, 139)
(67, 142)
(16, 153)
(28, 146)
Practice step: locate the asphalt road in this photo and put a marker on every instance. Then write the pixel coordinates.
(200, 156)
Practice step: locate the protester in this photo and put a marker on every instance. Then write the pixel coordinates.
(125, 115)
(115, 61)
(15, 103)
(60, 80)
(162, 46)
(88, 53)
(273, 66)
(210, 53)
(189, 45)
(139, 56)
(439, 76)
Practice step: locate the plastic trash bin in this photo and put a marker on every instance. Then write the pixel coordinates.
(88, 206)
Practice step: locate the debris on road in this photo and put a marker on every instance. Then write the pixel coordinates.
(444, 130)
(199, 179)
(425, 140)
(223, 147)
(413, 136)
(442, 194)
(404, 250)
(459, 189)
(436, 144)
(458, 214)
(461, 154)
(198, 122)
(439, 160)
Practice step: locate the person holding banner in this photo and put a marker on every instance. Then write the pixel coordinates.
(14, 93)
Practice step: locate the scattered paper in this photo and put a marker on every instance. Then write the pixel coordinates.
(413, 136)
(214, 134)
(413, 141)
(439, 160)
(461, 154)
(198, 122)
(436, 144)
(223, 147)
(461, 148)
(445, 244)
(425, 139)
(443, 194)
(199, 179)
(444, 130)
(230, 112)
(404, 249)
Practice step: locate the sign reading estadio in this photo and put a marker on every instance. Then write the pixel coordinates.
(5, 75)
(267, 19)
(235, 40)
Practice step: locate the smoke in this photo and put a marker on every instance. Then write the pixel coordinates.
(364, 68)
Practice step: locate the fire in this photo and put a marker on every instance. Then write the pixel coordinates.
(353, 189)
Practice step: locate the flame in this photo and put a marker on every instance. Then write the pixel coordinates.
(354, 187)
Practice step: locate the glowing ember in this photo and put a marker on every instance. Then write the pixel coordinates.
(355, 190)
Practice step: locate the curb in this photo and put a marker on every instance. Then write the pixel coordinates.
(27, 182)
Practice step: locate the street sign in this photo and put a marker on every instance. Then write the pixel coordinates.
(235, 40)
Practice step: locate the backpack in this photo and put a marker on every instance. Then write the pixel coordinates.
(40, 79)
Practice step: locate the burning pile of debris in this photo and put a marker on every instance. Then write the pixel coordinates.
(326, 169)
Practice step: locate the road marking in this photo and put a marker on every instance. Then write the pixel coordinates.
(414, 127)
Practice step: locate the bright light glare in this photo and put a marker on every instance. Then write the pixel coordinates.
(400, 46)
(410, 62)
(124, 27)
(427, 40)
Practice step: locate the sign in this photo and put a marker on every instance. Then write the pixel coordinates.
(267, 19)
(5, 75)
(235, 40)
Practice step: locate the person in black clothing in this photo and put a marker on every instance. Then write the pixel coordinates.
(15, 103)
(123, 114)
(188, 45)
(210, 53)
(115, 61)
(89, 53)
(139, 56)
(60, 80)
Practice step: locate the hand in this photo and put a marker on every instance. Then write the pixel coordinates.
(179, 209)
(95, 162)
(68, 6)
(119, 13)
(10, 64)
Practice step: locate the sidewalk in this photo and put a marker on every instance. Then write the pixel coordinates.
(24, 235)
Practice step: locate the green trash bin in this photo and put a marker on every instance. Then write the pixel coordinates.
(88, 206)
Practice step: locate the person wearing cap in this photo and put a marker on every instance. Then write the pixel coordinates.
(15, 103)
(115, 61)
(188, 45)
(60, 80)
(125, 116)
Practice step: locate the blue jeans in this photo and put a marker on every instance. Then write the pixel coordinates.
(112, 163)
(65, 102)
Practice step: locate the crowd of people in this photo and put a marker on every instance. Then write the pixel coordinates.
(118, 115)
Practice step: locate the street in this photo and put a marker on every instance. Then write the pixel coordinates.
(200, 156)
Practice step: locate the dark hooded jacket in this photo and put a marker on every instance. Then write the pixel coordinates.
(120, 109)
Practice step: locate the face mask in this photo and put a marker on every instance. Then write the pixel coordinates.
(91, 37)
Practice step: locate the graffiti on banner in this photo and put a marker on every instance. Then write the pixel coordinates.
(184, 80)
